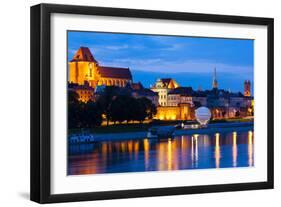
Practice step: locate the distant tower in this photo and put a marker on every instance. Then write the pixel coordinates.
(247, 88)
(215, 82)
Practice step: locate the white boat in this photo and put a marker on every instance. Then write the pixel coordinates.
(191, 126)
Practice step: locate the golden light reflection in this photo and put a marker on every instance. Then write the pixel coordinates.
(136, 150)
(217, 150)
(146, 153)
(169, 154)
(234, 149)
(161, 157)
(123, 146)
(194, 150)
(184, 150)
(250, 149)
(104, 151)
(130, 148)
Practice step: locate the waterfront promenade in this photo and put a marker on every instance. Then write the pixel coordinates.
(211, 128)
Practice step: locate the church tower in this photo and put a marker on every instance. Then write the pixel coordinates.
(215, 82)
(83, 68)
(247, 88)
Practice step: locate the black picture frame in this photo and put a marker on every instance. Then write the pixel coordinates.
(40, 102)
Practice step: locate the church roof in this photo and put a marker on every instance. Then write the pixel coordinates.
(83, 54)
(166, 83)
(114, 72)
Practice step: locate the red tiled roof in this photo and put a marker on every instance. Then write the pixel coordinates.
(114, 72)
(83, 54)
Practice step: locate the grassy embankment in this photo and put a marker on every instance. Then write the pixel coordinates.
(136, 127)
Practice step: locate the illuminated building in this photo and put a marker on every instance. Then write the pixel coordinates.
(180, 95)
(247, 88)
(84, 67)
(85, 92)
(162, 87)
(180, 103)
(181, 112)
(89, 79)
(174, 101)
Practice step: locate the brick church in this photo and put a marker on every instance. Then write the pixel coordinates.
(85, 68)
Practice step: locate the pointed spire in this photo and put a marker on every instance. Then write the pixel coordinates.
(215, 74)
(215, 82)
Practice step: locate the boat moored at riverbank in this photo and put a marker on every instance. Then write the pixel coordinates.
(161, 132)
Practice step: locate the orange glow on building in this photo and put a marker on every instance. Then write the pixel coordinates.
(83, 67)
(182, 112)
(247, 88)
(85, 95)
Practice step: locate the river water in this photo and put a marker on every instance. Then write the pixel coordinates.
(197, 151)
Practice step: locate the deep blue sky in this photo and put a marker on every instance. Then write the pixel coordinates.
(189, 60)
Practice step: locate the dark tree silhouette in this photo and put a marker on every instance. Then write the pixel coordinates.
(115, 104)
(82, 115)
(105, 100)
(150, 108)
(91, 115)
(119, 109)
(73, 97)
(73, 109)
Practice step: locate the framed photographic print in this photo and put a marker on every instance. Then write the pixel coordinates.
(132, 103)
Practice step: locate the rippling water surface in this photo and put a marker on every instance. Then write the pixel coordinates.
(197, 151)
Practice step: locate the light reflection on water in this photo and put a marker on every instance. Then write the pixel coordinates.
(198, 151)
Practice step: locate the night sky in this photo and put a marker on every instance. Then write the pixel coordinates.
(189, 60)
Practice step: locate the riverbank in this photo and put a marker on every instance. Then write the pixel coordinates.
(137, 127)
(212, 128)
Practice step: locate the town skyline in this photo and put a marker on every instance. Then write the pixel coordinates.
(152, 57)
(136, 116)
